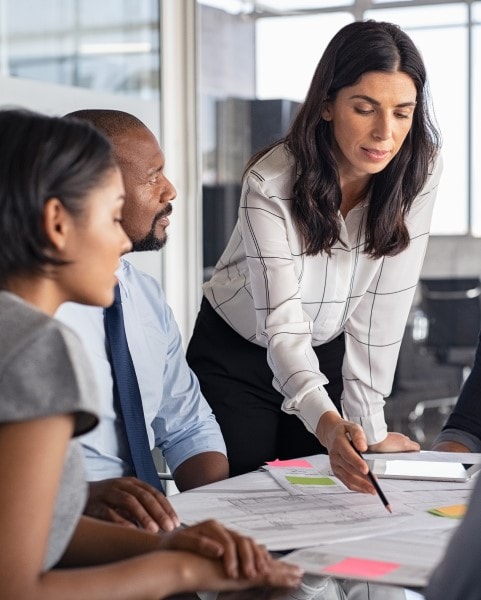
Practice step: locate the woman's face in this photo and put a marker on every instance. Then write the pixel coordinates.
(370, 122)
(95, 243)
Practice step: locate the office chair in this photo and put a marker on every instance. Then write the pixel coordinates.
(452, 307)
(164, 473)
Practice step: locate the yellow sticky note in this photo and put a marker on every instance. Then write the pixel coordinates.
(455, 511)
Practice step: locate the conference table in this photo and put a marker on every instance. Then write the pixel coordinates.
(299, 509)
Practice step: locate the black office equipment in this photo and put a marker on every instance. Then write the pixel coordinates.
(452, 307)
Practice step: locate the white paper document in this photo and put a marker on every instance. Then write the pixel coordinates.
(429, 455)
(339, 532)
(284, 521)
(381, 558)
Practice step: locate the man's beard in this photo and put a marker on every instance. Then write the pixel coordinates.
(152, 241)
(149, 242)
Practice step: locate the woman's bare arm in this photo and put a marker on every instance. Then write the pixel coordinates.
(31, 460)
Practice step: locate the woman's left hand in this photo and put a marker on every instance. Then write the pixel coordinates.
(395, 442)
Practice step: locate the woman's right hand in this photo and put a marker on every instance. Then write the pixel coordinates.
(335, 434)
(201, 574)
(241, 556)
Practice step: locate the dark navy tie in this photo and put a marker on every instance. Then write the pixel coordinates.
(127, 394)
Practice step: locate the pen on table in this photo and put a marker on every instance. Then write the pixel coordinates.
(373, 480)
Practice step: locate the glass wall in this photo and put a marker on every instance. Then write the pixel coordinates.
(475, 127)
(111, 45)
(442, 35)
(62, 55)
(289, 40)
(133, 55)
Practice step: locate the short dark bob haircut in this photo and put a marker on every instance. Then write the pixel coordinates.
(43, 157)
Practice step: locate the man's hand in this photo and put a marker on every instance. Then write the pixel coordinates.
(450, 446)
(131, 502)
(240, 555)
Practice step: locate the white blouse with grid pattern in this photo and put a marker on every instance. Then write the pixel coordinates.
(271, 293)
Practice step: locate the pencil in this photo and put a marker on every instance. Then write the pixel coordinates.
(374, 481)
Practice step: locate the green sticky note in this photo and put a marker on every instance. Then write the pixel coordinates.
(299, 480)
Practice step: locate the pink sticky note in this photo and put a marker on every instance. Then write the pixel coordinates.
(359, 567)
(294, 462)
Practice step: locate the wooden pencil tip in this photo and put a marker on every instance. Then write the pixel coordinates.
(388, 507)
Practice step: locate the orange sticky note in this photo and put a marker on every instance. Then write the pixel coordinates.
(455, 511)
(360, 567)
(294, 462)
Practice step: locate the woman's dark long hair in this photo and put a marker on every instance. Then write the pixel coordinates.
(359, 48)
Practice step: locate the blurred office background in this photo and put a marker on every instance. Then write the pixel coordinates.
(218, 79)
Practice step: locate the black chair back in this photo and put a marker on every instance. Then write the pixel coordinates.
(453, 309)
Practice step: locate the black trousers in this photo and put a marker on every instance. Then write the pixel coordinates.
(237, 382)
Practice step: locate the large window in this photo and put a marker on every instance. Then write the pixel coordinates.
(442, 33)
(62, 55)
(291, 36)
(111, 45)
(134, 55)
(475, 125)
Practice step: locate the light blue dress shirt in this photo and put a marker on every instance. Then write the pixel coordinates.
(179, 421)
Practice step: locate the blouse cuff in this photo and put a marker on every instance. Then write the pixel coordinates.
(312, 406)
(374, 426)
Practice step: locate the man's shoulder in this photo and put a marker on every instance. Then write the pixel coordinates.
(143, 296)
(135, 282)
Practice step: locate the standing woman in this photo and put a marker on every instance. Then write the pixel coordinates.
(306, 309)
(61, 196)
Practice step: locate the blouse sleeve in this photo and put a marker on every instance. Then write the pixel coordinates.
(375, 329)
(282, 324)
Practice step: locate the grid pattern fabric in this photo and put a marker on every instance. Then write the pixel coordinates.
(271, 293)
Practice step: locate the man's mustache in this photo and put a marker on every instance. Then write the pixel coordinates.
(163, 213)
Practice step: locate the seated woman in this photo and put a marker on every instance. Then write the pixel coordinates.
(61, 196)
